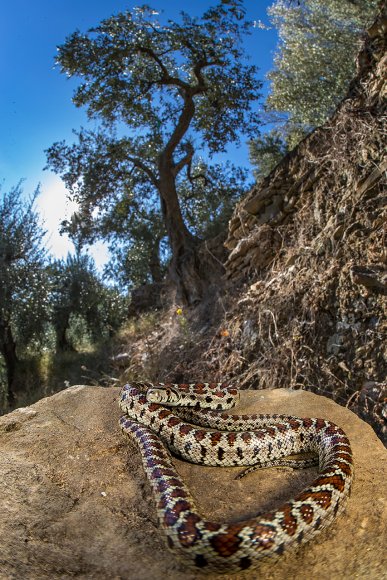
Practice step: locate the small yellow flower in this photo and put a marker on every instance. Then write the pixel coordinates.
(224, 332)
(179, 311)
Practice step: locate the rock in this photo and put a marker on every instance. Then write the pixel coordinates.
(74, 501)
(371, 276)
(258, 201)
(261, 246)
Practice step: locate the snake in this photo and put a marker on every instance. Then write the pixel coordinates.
(189, 421)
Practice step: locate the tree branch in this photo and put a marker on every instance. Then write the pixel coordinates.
(187, 93)
(202, 63)
(192, 178)
(167, 78)
(186, 160)
(141, 165)
(187, 112)
(181, 127)
(198, 70)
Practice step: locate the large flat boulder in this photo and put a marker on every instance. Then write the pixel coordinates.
(74, 501)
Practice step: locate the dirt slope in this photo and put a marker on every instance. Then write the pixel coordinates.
(311, 242)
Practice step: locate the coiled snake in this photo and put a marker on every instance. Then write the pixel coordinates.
(247, 440)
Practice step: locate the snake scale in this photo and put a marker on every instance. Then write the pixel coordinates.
(246, 440)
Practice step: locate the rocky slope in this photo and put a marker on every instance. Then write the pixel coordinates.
(310, 241)
(304, 301)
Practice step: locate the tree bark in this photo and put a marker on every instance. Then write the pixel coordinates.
(154, 263)
(185, 268)
(8, 350)
(62, 325)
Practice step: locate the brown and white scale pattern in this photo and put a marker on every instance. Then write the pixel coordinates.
(264, 441)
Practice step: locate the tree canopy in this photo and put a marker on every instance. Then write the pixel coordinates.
(161, 91)
(24, 290)
(77, 291)
(313, 66)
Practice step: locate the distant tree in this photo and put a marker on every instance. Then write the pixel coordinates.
(113, 311)
(24, 305)
(315, 60)
(175, 87)
(313, 66)
(77, 291)
(266, 152)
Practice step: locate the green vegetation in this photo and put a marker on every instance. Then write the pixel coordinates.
(161, 92)
(81, 304)
(48, 308)
(23, 283)
(313, 66)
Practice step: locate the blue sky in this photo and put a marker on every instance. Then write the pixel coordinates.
(35, 99)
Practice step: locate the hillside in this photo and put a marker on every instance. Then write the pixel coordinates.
(311, 241)
(302, 302)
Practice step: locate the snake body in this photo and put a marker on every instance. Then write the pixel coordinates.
(246, 440)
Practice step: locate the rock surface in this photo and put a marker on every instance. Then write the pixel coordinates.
(74, 501)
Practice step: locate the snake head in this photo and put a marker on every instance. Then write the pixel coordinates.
(163, 394)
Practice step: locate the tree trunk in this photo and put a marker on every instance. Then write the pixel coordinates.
(8, 350)
(62, 325)
(185, 269)
(154, 263)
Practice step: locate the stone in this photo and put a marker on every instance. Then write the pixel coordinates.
(261, 247)
(75, 503)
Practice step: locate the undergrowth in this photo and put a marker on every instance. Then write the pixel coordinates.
(41, 375)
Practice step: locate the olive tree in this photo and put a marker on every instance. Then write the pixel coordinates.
(78, 292)
(24, 289)
(162, 90)
(314, 62)
(315, 58)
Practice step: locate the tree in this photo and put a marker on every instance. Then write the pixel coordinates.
(174, 87)
(266, 152)
(315, 60)
(77, 291)
(313, 66)
(133, 224)
(23, 283)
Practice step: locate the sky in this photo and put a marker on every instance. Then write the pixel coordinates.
(36, 106)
